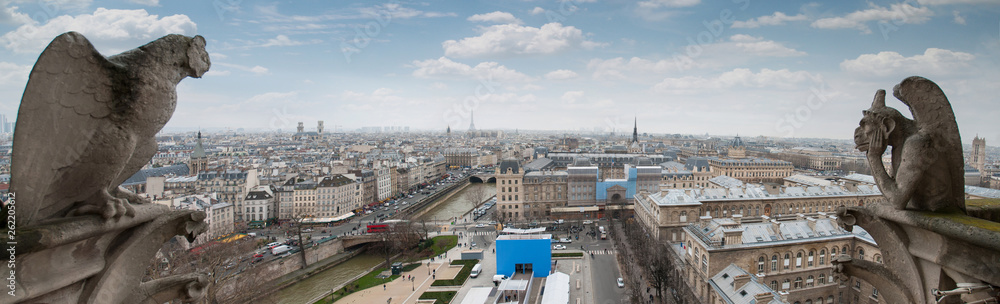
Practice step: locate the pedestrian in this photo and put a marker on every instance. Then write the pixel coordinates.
(383, 286)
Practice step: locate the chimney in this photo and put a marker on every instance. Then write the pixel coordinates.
(765, 218)
(822, 215)
(740, 280)
(738, 218)
(776, 227)
(799, 217)
(812, 223)
(763, 298)
(705, 219)
(784, 296)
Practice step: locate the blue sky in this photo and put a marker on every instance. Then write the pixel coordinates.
(772, 68)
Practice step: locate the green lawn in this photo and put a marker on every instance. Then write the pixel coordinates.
(367, 281)
(461, 276)
(567, 254)
(440, 297)
(434, 247)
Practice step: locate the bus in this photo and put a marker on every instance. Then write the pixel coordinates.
(376, 228)
(384, 226)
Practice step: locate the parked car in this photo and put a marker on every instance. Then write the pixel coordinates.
(272, 245)
(621, 283)
(559, 247)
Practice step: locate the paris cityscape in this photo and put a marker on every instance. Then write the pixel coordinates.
(571, 151)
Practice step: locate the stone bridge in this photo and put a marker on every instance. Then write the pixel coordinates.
(483, 178)
(354, 240)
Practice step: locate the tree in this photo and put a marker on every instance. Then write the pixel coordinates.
(297, 220)
(231, 277)
(395, 239)
(476, 194)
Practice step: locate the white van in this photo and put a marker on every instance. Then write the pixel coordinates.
(280, 249)
(476, 270)
(498, 278)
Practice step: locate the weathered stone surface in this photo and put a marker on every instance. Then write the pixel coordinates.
(86, 123)
(927, 150)
(933, 252)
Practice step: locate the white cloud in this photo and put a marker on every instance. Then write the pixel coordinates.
(488, 71)
(439, 86)
(619, 68)
(668, 3)
(281, 40)
(215, 56)
(120, 28)
(949, 2)
(778, 18)
(508, 98)
(217, 73)
(256, 70)
(572, 96)
(11, 73)
(513, 39)
(899, 13)
(932, 62)
(146, 2)
(398, 11)
(495, 17)
(759, 47)
(537, 10)
(270, 98)
(781, 79)
(958, 18)
(560, 75)
(9, 15)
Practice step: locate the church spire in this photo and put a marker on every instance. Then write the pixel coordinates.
(635, 131)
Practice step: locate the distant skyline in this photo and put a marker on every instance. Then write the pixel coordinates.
(778, 69)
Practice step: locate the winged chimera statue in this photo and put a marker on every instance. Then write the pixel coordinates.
(926, 151)
(86, 124)
(933, 252)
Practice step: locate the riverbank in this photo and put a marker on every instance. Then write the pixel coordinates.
(441, 199)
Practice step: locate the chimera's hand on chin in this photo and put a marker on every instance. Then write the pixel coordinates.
(877, 146)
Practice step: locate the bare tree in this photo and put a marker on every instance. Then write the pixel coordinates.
(232, 279)
(395, 239)
(475, 195)
(297, 220)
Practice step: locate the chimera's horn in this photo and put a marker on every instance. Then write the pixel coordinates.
(879, 101)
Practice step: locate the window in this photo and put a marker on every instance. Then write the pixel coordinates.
(798, 282)
(798, 259)
(786, 284)
(774, 285)
(857, 284)
(787, 260)
(774, 263)
(809, 281)
(810, 260)
(760, 264)
(704, 263)
(822, 256)
(875, 293)
(822, 278)
(684, 216)
(861, 253)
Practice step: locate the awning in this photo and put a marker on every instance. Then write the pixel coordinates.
(575, 209)
(313, 220)
(523, 231)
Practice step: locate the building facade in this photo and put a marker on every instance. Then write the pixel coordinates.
(792, 257)
(509, 194)
(544, 190)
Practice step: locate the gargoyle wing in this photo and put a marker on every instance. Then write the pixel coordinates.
(935, 119)
(68, 98)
